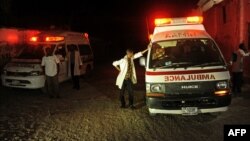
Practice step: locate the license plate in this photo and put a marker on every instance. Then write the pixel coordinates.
(15, 82)
(189, 110)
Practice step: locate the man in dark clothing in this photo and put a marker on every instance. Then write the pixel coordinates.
(237, 69)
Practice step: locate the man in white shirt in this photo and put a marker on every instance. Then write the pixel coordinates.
(127, 75)
(237, 69)
(50, 64)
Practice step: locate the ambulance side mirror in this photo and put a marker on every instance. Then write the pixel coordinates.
(142, 61)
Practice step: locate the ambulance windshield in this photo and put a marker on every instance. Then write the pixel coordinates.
(33, 51)
(185, 53)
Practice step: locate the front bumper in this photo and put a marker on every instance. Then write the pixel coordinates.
(209, 110)
(173, 105)
(29, 82)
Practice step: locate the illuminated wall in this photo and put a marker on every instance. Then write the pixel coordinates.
(227, 22)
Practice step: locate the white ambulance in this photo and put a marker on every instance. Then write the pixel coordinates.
(185, 70)
(25, 71)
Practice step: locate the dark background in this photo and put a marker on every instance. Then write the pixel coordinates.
(113, 26)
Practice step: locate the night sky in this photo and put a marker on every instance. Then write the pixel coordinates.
(120, 22)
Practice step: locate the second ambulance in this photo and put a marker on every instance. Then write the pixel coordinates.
(25, 71)
(186, 72)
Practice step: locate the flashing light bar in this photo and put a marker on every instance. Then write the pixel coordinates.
(162, 21)
(33, 39)
(195, 19)
(54, 38)
(187, 20)
(48, 39)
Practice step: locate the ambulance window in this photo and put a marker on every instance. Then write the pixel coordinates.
(33, 51)
(70, 47)
(185, 53)
(84, 49)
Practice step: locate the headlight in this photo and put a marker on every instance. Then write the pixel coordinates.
(35, 73)
(222, 85)
(157, 88)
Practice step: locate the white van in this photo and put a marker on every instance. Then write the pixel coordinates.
(186, 72)
(25, 71)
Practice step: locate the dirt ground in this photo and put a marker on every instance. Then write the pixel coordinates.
(93, 114)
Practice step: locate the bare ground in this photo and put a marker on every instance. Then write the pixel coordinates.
(93, 114)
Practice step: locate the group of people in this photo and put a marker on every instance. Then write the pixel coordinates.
(50, 64)
(127, 73)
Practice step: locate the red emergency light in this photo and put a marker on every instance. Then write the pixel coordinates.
(12, 38)
(195, 19)
(187, 20)
(54, 38)
(86, 35)
(33, 39)
(162, 21)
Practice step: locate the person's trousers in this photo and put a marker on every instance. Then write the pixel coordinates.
(127, 85)
(75, 78)
(52, 85)
(237, 79)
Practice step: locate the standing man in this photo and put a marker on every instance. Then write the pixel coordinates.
(50, 64)
(75, 66)
(127, 75)
(237, 68)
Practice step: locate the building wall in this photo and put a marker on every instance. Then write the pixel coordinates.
(247, 60)
(229, 27)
